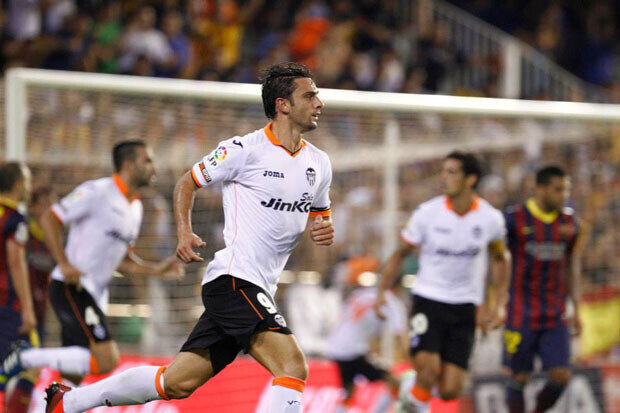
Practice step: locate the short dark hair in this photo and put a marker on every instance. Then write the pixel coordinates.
(469, 164)
(125, 151)
(546, 173)
(10, 174)
(279, 82)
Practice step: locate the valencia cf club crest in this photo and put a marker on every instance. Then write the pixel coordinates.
(311, 176)
(477, 232)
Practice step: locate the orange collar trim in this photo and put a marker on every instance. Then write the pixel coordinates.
(122, 186)
(474, 205)
(274, 140)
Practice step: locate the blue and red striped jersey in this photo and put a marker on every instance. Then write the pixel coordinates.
(541, 244)
(12, 227)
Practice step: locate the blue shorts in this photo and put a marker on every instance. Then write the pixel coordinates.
(551, 345)
(10, 321)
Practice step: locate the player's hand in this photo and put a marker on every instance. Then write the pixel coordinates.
(489, 318)
(171, 269)
(70, 273)
(185, 248)
(29, 322)
(322, 231)
(380, 302)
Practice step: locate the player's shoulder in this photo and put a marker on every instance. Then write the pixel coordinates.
(315, 150)
(433, 204)
(248, 141)
(486, 207)
(512, 209)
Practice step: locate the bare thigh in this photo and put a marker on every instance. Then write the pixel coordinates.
(188, 371)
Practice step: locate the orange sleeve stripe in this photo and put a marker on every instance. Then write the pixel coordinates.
(289, 382)
(325, 213)
(57, 216)
(158, 387)
(94, 366)
(196, 181)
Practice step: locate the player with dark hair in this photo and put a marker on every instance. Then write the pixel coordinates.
(454, 235)
(273, 181)
(546, 244)
(17, 317)
(104, 218)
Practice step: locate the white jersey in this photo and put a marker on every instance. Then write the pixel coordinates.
(360, 324)
(268, 194)
(103, 225)
(454, 255)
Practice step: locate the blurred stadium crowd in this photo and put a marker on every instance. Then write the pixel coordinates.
(362, 45)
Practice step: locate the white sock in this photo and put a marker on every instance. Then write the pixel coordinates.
(132, 386)
(69, 360)
(286, 395)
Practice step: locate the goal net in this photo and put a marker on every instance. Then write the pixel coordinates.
(385, 149)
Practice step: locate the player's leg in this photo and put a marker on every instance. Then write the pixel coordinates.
(428, 328)
(281, 355)
(520, 347)
(456, 348)
(87, 345)
(19, 400)
(140, 385)
(554, 350)
(452, 381)
(347, 371)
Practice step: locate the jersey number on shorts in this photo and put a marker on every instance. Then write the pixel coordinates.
(91, 317)
(266, 302)
(512, 339)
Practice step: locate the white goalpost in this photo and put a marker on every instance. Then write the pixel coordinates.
(385, 150)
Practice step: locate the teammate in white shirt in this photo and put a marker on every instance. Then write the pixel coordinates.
(103, 217)
(273, 182)
(454, 235)
(349, 344)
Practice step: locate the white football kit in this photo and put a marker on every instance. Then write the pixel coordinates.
(454, 252)
(268, 194)
(360, 324)
(103, 225)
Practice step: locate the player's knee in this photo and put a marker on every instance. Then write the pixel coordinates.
(428, 374)
(450, 392)
(180, 389)
(297, 367)
(107, 362)
(560, 376)
(520, 379)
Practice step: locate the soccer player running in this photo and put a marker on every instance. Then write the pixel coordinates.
(104, 217)
(349, 344)
(454, 234)
(273, 181)
(17, 317)
(546, 243)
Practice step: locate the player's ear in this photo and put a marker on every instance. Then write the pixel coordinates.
(283, 105)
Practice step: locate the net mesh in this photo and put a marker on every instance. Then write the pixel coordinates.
(70, 135)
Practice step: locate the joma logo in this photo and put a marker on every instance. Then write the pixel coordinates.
(274, 174)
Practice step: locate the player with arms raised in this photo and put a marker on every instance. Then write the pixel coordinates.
(454, 234)
(273, 181)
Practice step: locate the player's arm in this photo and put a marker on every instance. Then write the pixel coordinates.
(16, 260)
(574, 276)
(52, 231)
(183, 201)
(499, 282)
(391, 270)
(169, 268)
